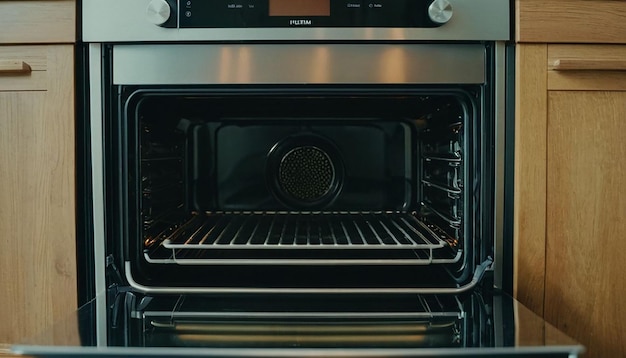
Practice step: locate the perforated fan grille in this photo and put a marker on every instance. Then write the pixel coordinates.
(306, 173)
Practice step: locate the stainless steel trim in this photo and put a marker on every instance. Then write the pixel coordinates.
(305, 262)
(478, 273)
(256, 261)
(453, 222)
(441, 187)
(191, 64)
(498, 321)
(245, 314)
(97, 170)
(430, 158)
(500, 134)
(292, 352)
(125, 21)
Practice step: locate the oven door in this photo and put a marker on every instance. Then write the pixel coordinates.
(475, 325)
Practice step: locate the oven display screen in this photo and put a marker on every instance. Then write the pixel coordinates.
(299, 7)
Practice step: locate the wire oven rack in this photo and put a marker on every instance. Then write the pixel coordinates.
(317, 238)
(415, 321)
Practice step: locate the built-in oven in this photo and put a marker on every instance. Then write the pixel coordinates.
(298, 178)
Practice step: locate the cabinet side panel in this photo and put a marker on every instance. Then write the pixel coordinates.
(530, 174)
(61, 115)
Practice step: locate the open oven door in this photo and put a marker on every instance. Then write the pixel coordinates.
(476, 324)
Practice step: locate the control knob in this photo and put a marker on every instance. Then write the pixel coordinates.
(440, 11)
(158, 12)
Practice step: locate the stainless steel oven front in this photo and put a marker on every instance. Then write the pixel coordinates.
(298, 178)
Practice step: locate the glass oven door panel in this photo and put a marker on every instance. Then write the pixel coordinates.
(473, 325)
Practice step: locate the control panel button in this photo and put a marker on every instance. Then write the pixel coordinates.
(440, 11)
(158, 12)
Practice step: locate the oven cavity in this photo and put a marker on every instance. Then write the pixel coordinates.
(373, 187)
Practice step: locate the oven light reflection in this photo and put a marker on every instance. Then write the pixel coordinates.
(225, 64)
(412, 334)
(414, 328)
(235, 65)
(320, 69)
(244, 64)
(393, 66)
(296, 339)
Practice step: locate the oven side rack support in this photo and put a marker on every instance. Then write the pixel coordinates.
(476, 278)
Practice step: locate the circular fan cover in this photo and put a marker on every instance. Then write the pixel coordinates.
(306, 173)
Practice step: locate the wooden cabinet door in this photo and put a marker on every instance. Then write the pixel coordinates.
(585, 197)
(37, 190)
(586, 218)
(570, 224)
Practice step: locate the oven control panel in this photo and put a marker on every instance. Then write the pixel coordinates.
(302, 13)
(294, 20)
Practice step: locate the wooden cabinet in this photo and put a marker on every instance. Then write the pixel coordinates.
(570, 206)
(37, 180)
(37, 200)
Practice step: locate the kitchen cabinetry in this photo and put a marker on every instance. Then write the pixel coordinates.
(37, 21)
(570, 170)
(37, 180)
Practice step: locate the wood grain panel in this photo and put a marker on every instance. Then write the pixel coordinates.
(571, 21)
(37, 202)
(585, 283)
(528, 332)
(37, 21)
(530, 174)
(5, 350)
(34, 81)
(587, 80)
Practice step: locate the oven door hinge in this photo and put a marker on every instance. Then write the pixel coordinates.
(125, 303)
(113, 275)
(134, 306)
(121, 300)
